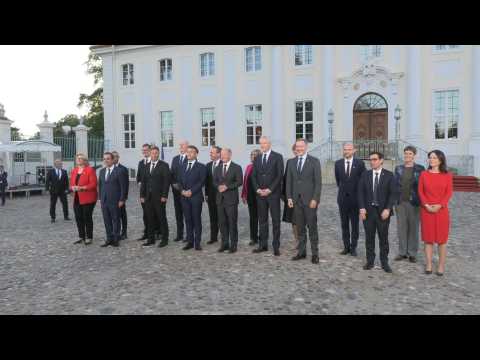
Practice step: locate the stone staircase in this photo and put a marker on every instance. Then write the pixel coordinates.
(466, 183)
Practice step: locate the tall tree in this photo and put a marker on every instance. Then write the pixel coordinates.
(71, 120)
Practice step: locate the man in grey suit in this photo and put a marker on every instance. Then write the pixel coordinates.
(303, 189)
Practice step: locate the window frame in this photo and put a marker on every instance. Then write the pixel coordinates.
(459, 48)
(130, 74)
(129, 135)
(170, 131)
(369, 56)
(304, 122)
(209, 127)
(254, 126)
(445, 115)
(254, 62)
(166, 70)
(303, 56)
(210, 66)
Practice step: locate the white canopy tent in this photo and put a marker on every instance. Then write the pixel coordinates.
(29, 146)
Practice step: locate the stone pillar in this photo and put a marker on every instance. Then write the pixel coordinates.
(5, 127)
(46, 134)
(278, 141)
(81, 139)
(414, 94)
(327, 90)
(474, 148)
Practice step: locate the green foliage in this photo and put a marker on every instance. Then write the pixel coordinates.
(70, 120)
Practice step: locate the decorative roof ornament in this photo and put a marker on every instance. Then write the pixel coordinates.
(45, 117)
(2, 111)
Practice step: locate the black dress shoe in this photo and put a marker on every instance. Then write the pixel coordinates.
(163, 243)
(198, 248)
(188, 246)
(212, 241)
(184, 240)
(53, 220)
(144, 237)
(253, 242)
(149, 243)
(223, 248)
(315, 259)
(259, 250)
(428, 272)
(387, 268)
(353, 252)
(106, 243)
(276, 252)
(123, 237)
(412, 259)
(345, 252)
(367, 266)
(400, 257)
(115, 243)
(79, 241)
(299, 257)
(67, 219)
(232, 250)
(177, 239)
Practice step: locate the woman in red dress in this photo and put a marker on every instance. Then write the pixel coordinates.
(83, 184)
(435, 189)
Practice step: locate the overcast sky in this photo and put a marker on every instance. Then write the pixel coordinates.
(35, 78)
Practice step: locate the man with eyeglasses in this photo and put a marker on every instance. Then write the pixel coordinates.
(376, 198)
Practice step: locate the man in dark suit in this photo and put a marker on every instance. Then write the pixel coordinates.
(376, 198)
(123, 209)
(347, 175)
(3, 183)
(267, 179)
(178, 165)
(113, 193)
(303, 190)
(227, 180)
(57, 184)
(154, 194)
(211, 192)
(192, 179)
(142, 165)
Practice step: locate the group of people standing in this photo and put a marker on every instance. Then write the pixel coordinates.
(418, 196)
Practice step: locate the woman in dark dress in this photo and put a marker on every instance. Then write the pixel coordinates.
(250, 198)
(287, 211)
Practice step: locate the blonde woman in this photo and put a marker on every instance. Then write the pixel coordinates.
(83, 184)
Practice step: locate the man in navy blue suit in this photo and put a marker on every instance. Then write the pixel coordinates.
(113, 193)
(348, 172)
(3, 184)
(123, 209)
(192, 180)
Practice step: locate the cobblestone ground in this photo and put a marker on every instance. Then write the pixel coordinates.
(42, 272)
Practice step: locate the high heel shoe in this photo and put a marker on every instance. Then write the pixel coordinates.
(439, 273)
(428, 272)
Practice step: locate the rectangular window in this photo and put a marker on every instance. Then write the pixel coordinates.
(253, 118)
(165, 69)
(207, 64)
(253, 59)
(446, 114)
(304, 120)
(442, 48)
(129, 130)
(208, 126)
(368, 52)
(303, 55)
(127, 74)
(166, 128)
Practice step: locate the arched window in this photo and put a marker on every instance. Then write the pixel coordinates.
(370, 101)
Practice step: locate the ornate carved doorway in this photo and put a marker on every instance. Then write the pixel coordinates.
(370, 118)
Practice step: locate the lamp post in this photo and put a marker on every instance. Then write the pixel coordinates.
(330, 132)
(397, 116)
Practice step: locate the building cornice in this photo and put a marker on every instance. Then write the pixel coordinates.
(107, 49)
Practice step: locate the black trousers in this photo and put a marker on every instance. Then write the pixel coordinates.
(83, 218)
(177, 203)
(305, 217)
(123, 219)
(213, 214)
(264, 204)
(2, 194)
(53, 204)
(156, 215)
(111, 219)
(253, 215)
(374, 224)
(145, 222)
(228, 219)
(350, 228)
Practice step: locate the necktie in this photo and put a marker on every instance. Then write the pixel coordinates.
(299, 166)
(375, 188)
(108, 174)
(153, 167)
(214, 166)
(189, 166)
(58, 173)
(264, 160)
(348, 169)
(224, 169)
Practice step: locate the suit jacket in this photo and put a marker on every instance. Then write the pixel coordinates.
(387, 192)
(348, 185)
(56, 185)
(126, 175)
(3, 180)
(155, 185)
(233, 180)
(270, 176)
(306, 185)
(88, 178)
(114, 189)
(177, 169)
(193, 180)
(141, 170)
(210, 188)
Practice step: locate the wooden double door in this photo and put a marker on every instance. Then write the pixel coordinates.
(370, 125)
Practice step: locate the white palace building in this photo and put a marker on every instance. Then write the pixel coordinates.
(379, 96)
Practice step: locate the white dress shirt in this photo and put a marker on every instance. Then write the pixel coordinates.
(268, 155)
(350, 163)
(228, 166)
(106, 171)
(214, 165)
